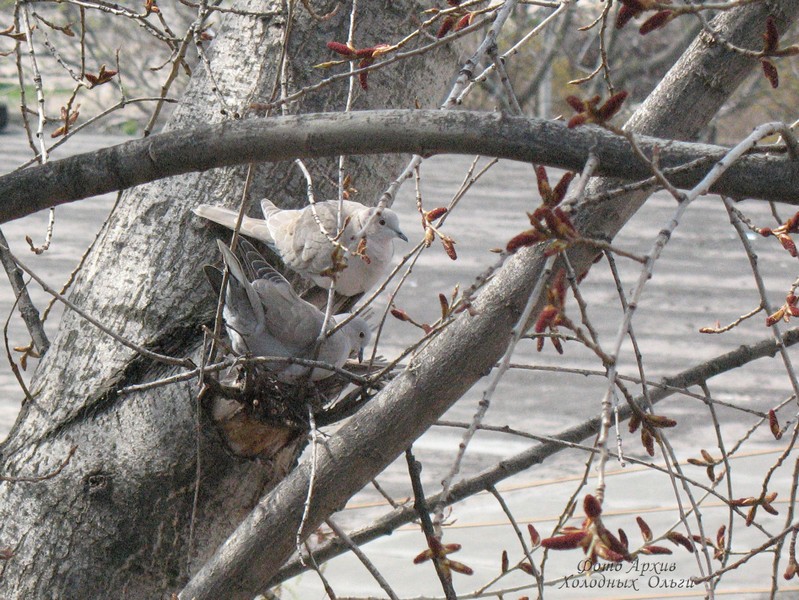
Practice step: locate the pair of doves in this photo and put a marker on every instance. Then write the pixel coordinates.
(263, 314)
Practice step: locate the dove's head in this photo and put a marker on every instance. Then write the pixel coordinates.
(359, 333)
(385, 225)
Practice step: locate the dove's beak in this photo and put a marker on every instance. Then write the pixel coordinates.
(360, 355)
(401, 235)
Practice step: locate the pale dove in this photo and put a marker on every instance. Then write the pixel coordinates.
(296, 237)
(265, 317)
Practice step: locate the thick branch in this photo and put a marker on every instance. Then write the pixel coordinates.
(424, 132)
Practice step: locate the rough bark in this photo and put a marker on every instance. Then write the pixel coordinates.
(115, 521)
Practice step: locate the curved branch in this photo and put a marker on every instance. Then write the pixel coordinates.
(770, 176)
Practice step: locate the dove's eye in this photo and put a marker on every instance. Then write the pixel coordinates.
(382, 221)
(361, 335)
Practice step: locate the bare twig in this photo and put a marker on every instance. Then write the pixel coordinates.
(26, 308)
(181, 362)
(428, 528)
(46, 476)
(381, 581)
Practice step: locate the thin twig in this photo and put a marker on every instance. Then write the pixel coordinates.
(50, 475)
(428, 528)
(26, 307)
(485, 402)
(381, 581)
(180, 362)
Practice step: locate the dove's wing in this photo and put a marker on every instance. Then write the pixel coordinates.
(293, 322)
(289, 319)
(257, 267)
(299, 239)
(265, 317)
(241, 295)
(255, 228)
(245, 317)
(310, 245)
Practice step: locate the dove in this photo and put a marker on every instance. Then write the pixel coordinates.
(296, 237)
(264, 316)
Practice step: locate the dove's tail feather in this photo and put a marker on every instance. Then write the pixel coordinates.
(233, 264)
(240, 292)
(214, 277)
(255, 228)
(268, 208)
(257, 266)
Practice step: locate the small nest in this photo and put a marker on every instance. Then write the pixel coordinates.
(259, 416)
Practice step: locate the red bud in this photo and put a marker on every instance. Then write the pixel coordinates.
(679, 539)
(646, 531)
(459, 567)
(567, 541)
(771, 37)
(340, 48)
(788, 243)
(446, 26)
(648, 440)
(770, 71)
(792, 568)
(656, 21)
(527, 568)
(464, 21)
(400, 314)
(544, 188)
(774, 318)
(774, 424)
(577, 120)
(591, 507)
(535, 538)
(449, 247)
(575, 103)
(625, 15)
(563, 185)
(623, 539)
(655, 550)
(612, 105)
(435, 213)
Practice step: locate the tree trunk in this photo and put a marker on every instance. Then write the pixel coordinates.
(116, 520)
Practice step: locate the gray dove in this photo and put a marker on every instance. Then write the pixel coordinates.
(265, 317)
(297, 239)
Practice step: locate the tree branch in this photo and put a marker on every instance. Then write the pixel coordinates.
(768, 176)
(30, 315)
